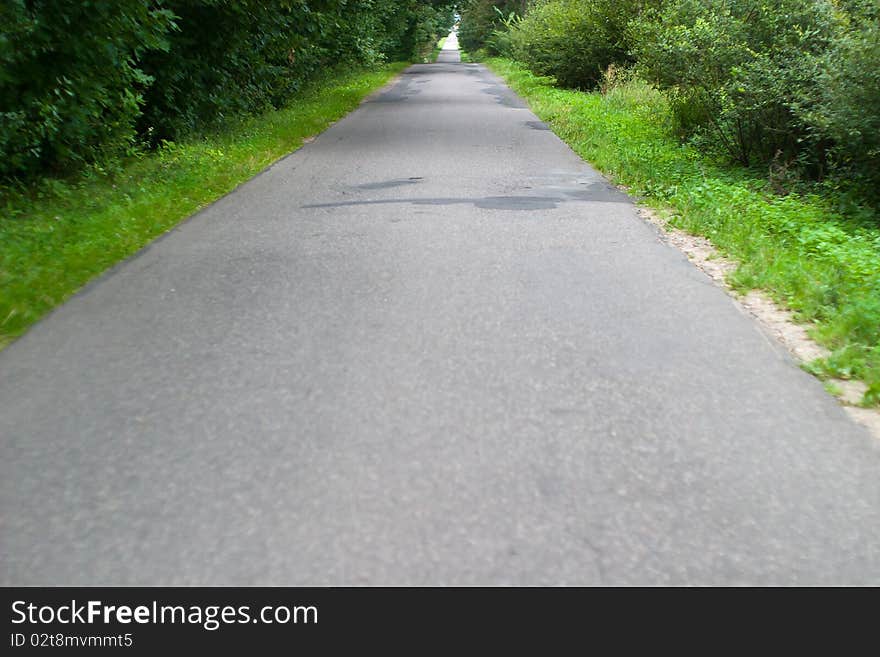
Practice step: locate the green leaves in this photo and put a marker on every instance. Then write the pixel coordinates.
(69, 79)
(86, 82)
(784, 84)
(573, 41)
(847, 111)
(483, 21)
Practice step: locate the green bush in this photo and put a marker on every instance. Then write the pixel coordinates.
(741, 73)
(481, 20)
(228, 57)
(71, 87)
(427, 24)
(574, 40)
(847, 111)
(81, 81)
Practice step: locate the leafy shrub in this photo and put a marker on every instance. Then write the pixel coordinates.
(427, 24)
(483, 23)
(741, 72)
(574, 40)
(847, 111)
(71, 87)
(231, 57)
(500, 42)
(228, 57)
(80, 80)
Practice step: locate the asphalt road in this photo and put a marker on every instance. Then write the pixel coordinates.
(432, 346)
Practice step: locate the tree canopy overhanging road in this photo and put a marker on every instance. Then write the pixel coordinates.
(431, 347)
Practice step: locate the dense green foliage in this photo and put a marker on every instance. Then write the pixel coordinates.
(813, 257)
(741, 71)
(791, 86)
(227, 58)
(81, 82)
(847, 110)
(70, 85)
(483, 20)
(574, 40)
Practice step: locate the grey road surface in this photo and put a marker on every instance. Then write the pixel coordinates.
(431, 347)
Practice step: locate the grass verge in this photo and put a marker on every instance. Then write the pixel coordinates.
(58, 234)
(816, 253)
(437, 48)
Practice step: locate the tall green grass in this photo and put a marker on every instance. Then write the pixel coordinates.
(816, 253)
(57, 235)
